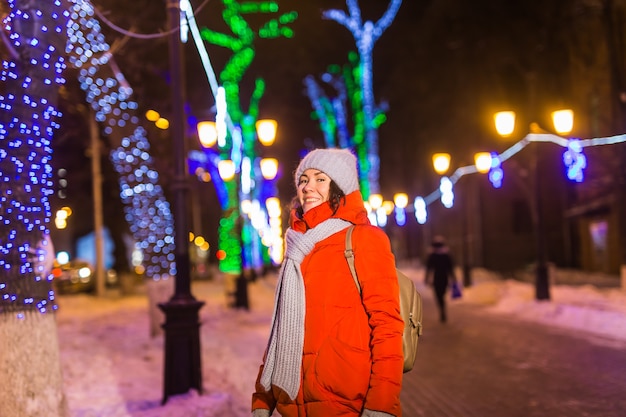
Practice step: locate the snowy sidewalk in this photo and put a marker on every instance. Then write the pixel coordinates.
(112, 366)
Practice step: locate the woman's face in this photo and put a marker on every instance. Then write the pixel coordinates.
(313, 188)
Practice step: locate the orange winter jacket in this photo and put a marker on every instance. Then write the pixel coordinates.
(352, 355)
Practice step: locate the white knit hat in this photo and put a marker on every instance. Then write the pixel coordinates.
(338, 164)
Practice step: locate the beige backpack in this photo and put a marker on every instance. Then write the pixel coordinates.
(410, 306)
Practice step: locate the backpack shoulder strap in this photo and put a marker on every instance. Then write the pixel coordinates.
(349, 254)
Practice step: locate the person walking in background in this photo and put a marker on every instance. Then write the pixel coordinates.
(332, 351)
(439, 272)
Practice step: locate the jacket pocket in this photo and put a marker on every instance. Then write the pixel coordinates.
(343, 370)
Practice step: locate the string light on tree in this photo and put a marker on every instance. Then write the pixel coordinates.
(31, 75)
(108, 93)
(239, 143)
(365, 36)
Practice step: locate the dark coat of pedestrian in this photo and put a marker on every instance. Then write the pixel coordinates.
(440, 273)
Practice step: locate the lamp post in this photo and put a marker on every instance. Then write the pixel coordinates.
(252, 176)
(401, 201)
(182, 368)
(441, 165)
(505, 126)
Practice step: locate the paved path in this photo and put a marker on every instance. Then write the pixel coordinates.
(485, 365)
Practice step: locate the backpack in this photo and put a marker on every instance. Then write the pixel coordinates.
(410, 307)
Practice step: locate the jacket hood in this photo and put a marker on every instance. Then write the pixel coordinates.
(352, 210)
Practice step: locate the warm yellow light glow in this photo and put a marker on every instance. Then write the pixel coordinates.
(207, 133)
(205, 177)
(441, 162)
(482, 160)
(269, 168)
(67, 210)
(273, 207)
(226, 169)
(563, 121)
(191, 236)
(152, 115)
(276, 223)
(60, 223)
(162, 123)
(246, 206)
(266, 131)
(202, 175)
(388, 207)
(199, 241)
(401, 200)
(505, 122)
(376, 201)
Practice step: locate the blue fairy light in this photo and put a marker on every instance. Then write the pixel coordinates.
(574, 160)
(109, 95)
(400, 214)
(421, 215)
(447, 193)
(496, 175)
(25, 171)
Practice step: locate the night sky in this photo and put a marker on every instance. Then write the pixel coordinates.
(443, 67)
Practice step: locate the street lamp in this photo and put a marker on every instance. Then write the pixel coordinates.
(182, 368)
(269, 168)
(441, 165)
(441, 162)
(376, 204)
(253, 179)
(400, 202)
(505, 123)
(207, 133)
(482, 161)
(563, 122)
(266, 131)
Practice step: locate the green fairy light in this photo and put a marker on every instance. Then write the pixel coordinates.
(240, 41)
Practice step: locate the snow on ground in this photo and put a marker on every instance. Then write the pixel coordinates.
(112, 363)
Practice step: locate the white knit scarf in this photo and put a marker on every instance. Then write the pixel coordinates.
(284, 349)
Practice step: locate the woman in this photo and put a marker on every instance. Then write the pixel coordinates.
(331, 351)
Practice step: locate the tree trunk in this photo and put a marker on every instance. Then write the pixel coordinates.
(29, 352)
(30, 367)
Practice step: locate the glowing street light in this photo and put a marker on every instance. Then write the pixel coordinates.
(266, 131)
(563, 121)
(505, 123)
(162, 123)
(269, 168)
(152, 115)
(376, 201)
(401, 200)
(226, 168)
(482, 161)
(441, 162)
(207, 132)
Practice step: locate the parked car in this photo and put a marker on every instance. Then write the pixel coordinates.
(73, 277)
